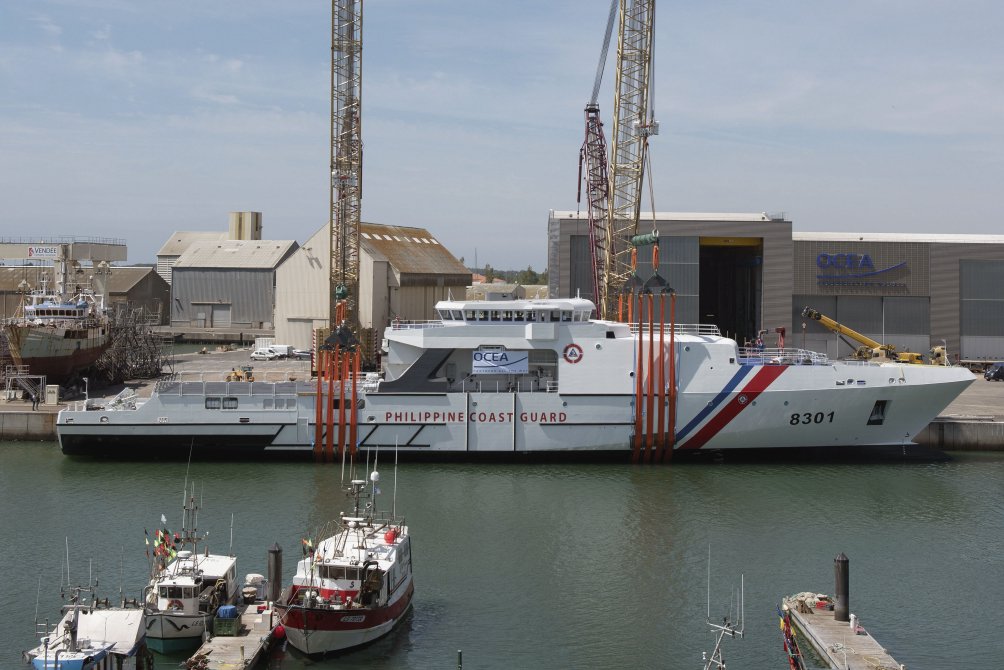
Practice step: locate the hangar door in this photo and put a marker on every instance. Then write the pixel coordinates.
(732, 285)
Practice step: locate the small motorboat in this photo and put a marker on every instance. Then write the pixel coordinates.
(92, 636)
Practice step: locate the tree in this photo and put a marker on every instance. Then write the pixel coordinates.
(527, 277)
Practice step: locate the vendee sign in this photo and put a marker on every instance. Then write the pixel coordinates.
(500, 362)
(46, 251)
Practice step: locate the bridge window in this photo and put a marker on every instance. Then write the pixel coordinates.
(213, 403)
(230, 403)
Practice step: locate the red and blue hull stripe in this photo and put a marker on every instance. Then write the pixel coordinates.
(721, 412)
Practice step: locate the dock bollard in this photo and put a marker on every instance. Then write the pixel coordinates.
(841, 574)
(274, 571)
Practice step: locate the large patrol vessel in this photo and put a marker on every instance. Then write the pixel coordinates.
(496, 378)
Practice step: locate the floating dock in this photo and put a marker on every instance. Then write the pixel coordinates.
(244, 649)
(842, 645)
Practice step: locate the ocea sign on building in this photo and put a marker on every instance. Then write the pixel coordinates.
(854, 269)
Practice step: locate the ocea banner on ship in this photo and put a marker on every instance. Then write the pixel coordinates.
(500, 362)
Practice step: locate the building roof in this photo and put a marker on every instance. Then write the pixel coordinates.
(683, 216)
(181, 240)
(121, 280)
(410, 250)
(934, 238)
(245, 254)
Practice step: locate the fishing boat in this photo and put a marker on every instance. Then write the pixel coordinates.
(354, 585)
(92, 636)
(58, 334)
(493, 378)
(187, 586)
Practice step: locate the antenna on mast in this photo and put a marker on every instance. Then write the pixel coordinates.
(727, 627)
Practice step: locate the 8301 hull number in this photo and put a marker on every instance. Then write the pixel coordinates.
(809, 417)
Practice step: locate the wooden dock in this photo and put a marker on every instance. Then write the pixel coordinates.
(840, 646)
(244, 650)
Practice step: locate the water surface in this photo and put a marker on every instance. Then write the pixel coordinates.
(555, 566)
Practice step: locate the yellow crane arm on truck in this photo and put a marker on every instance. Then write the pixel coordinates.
(870, 349)
(840, 329)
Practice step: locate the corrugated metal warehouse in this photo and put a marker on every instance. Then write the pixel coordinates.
(403, 271)
(750, 272)
(227, 284)
(176, 246)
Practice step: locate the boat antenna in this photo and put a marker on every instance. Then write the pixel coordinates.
(184, 496)
(727, 627)
(342, 483)
(38, 593)
(394, 497)
(231, 533)
(121, 576)
(374, 477)
(67, 539)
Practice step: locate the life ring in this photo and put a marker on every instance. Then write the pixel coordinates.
(175, 605)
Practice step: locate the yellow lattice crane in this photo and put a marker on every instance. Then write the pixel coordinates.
(614, 187)
(346, 168)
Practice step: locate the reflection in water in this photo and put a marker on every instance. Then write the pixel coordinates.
(556, 566)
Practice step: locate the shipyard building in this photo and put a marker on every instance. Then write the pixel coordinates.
(750, 273)
(403, 272)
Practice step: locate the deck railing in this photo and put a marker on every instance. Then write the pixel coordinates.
(774, 356)
(703, 329)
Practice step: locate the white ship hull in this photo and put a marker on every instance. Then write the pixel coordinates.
(166, 632)
(429, 402)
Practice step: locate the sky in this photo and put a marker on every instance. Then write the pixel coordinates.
(130, 119)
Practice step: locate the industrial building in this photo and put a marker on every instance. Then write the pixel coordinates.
(749, 273)
(242, 226)
(227, 283)
(404, 271)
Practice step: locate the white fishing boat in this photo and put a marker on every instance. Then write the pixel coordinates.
(524, 377)
(353, 586)
(93, 636)
(187, 586)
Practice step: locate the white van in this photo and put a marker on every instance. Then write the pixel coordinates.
(263, 355)
(282, 350)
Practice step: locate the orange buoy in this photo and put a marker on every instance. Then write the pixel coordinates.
(390, 536)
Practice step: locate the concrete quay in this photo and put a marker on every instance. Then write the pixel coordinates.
(974, 422)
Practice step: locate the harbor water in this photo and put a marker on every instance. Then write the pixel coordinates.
(553, 566)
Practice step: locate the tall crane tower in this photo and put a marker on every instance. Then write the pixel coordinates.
(593, 171)
(633, 125)
(346, 163)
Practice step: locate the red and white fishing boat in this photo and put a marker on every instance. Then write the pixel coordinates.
(355, 585)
